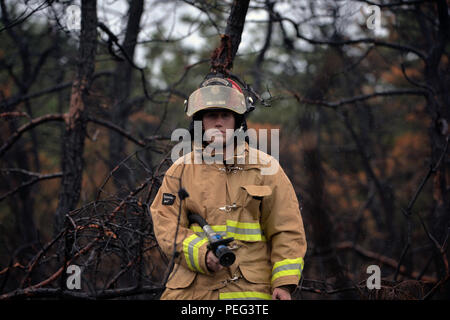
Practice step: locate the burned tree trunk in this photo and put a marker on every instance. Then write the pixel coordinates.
(75, 131)
(438, 108)
(316, 202)
(22, 204)
(121, 89)
(438, 101)
(223, 57)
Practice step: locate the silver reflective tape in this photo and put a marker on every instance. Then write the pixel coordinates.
(243, 231)
(293, 266)
(191, 251)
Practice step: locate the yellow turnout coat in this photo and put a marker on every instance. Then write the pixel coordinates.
(260, 211)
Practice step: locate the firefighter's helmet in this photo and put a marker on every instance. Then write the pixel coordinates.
(217, 92)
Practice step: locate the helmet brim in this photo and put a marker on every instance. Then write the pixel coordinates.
(216, 97)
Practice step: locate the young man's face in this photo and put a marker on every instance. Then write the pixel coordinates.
(218, 121)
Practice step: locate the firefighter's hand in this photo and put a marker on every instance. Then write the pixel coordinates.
(212, 262)
(281, 294)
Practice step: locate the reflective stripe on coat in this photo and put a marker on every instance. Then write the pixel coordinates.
(260, 212)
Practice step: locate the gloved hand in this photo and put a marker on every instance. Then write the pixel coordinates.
(212, 262)
(282, 293)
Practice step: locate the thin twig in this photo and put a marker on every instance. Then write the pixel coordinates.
(31, 182)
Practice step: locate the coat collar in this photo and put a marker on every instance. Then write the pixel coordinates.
(239, 156)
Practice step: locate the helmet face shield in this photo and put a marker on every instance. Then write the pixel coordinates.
(216, 97)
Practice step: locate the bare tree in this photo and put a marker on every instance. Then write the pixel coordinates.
(109, 233)
(73, 143)
(223, 56)
(121, 87)
(432, 17)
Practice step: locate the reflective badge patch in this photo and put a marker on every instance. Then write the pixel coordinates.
(168, 199)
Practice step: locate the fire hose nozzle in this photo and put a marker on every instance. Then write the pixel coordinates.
(217, 244)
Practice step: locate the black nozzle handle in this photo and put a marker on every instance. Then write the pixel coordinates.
(195, 218)
(218, 246)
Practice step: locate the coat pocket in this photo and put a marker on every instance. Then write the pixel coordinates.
(180, 277)
(256, 273)
(254, 262)
(252, 198)
(257, 191)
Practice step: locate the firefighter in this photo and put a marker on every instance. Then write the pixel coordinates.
(260, 212)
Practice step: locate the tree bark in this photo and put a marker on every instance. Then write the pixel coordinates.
(223, 57)
(75, 130)
(438, 102)
(121, 90)
(438, 108)
(316, 204)
(257, 67)
(22, 205)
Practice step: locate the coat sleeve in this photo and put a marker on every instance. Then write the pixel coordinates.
(190, 249)
(283, 227)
